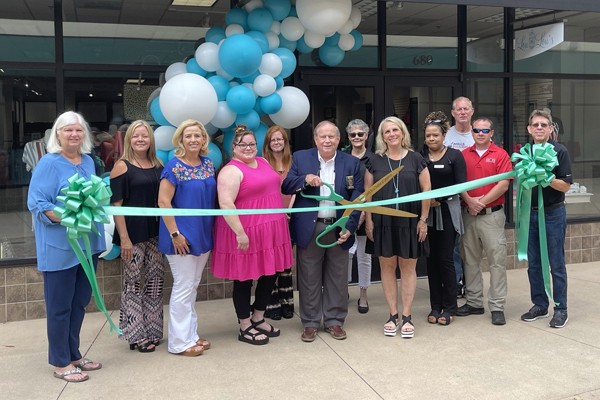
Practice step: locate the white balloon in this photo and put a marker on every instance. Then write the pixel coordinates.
(233, 29)
(314, 39)
(224, 116)
(210, 128)
(163, 136)
(109, 231)
(264, 85)
(294, 109)
(221, 72)
(207, 56)
(346, 28)
(175, 69)
(253, 5)
(152, 96)
(292, 29)
(273, 39)
(249, 86)
(346, 42)
(270, 64)
(355, 17)
(188, 96)
(325, 17)
(276, 27)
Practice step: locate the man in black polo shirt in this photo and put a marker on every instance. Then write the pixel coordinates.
(540, 128)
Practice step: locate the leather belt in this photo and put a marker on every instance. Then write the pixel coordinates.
(550, 207)
(327, 221)
(489, 210)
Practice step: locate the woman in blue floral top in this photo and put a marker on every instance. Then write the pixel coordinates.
(187, 181)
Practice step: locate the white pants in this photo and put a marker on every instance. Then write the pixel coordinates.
(364, 262)
(183, 320)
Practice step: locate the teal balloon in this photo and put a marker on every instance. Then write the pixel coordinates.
(260, 19)
(271, 104)
(171, 154)
(258, 109)
(260, 132)
(250, 119)
(221, 86)
(288, 59)
(261, 39)
(302, 47)
(215, 155)
(287, 44)
(240, 55)
(193, 67)
(157, 114)
(237, 16)
(280, 9)
(228, 142)
(163, 156)
(358, 40)
(332, 40)
(331, 55)
(215, 34)
(240, 99)
(279, 82)
(293, 12)
(249, 78)
(113, 253)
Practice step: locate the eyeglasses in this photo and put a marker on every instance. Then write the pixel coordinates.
(540, 124)
(486, 130)
(245, 146)
(355, 134)
(277, 140)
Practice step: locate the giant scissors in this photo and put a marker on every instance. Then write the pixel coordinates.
(333, 196)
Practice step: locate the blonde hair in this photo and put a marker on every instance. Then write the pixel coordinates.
(381, 145)
(178, 137)
(69, 118)
(128, 154)
(268, 153)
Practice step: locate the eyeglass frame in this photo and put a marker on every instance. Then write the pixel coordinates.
(540, 124)
(360, 134)
(244, 146)
(482, 130)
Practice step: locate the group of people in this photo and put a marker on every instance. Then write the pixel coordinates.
(248, 247)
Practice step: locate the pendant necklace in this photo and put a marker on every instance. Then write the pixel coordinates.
(395, 178)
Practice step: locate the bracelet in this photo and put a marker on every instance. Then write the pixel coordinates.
(423, 219)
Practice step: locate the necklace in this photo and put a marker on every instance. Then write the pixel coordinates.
(395, 179)
(437, 156)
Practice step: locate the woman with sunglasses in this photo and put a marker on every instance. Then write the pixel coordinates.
(276, 150)
(250, 247)
(358, 132)
(446, 167)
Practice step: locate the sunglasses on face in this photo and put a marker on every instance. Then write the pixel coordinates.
(355, 134)
(540, 124)
(486, 130)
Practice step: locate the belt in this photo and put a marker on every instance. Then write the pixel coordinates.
(327, 221)
(489, 210)
(550, 207)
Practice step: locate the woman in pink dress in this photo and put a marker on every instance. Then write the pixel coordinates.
(250, 247)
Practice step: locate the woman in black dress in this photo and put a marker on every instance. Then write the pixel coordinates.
(398, 241)
(446, 167)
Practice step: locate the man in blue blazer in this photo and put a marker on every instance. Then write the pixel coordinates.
(323, 273)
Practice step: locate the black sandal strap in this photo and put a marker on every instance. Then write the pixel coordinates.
(407, 320)
(394, 319)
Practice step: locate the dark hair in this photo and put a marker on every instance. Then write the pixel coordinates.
(239, 132)
(437, 118)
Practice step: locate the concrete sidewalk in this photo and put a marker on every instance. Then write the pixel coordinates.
(470, 359)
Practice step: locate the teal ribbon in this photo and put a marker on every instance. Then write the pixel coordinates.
(534, 168)
(83, 206)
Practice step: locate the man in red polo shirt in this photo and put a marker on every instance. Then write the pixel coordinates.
(484, 219)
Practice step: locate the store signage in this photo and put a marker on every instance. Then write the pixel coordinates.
(533, 41)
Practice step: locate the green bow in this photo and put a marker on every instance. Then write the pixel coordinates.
(534, 168)
(83, 206)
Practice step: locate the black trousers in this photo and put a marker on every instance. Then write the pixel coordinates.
(242, 291)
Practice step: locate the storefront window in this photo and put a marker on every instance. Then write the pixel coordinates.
(485, 39)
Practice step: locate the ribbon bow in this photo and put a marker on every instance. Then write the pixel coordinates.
(83, 206)
(534, 168)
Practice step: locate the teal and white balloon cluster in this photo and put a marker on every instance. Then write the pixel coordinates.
(237, 75)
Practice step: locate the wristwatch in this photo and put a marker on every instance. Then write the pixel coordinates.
(174, 234)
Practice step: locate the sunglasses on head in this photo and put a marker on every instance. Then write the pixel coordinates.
(486, 130)
(355, 134)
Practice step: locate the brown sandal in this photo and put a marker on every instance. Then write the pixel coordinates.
(204, 343)
(193, 351)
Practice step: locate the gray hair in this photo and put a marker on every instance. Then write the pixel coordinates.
(322, 123)
(69, 118)
(359, 123)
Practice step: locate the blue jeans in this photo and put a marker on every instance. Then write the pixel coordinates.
(556, 228)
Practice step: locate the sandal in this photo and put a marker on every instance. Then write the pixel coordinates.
(88, 365)
(270, 333)
(446, 318)
(204, 343)
(387, 329)
(243, 336)
(434, 317)
(193, 351)
(144, 346)
(407, 334)
(68, 376)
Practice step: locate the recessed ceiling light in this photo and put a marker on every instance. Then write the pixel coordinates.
(135, 81)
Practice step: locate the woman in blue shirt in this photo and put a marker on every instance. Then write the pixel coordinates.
(66, 289)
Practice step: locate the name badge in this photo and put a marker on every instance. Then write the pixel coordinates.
(350, 182)
(438, 166)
